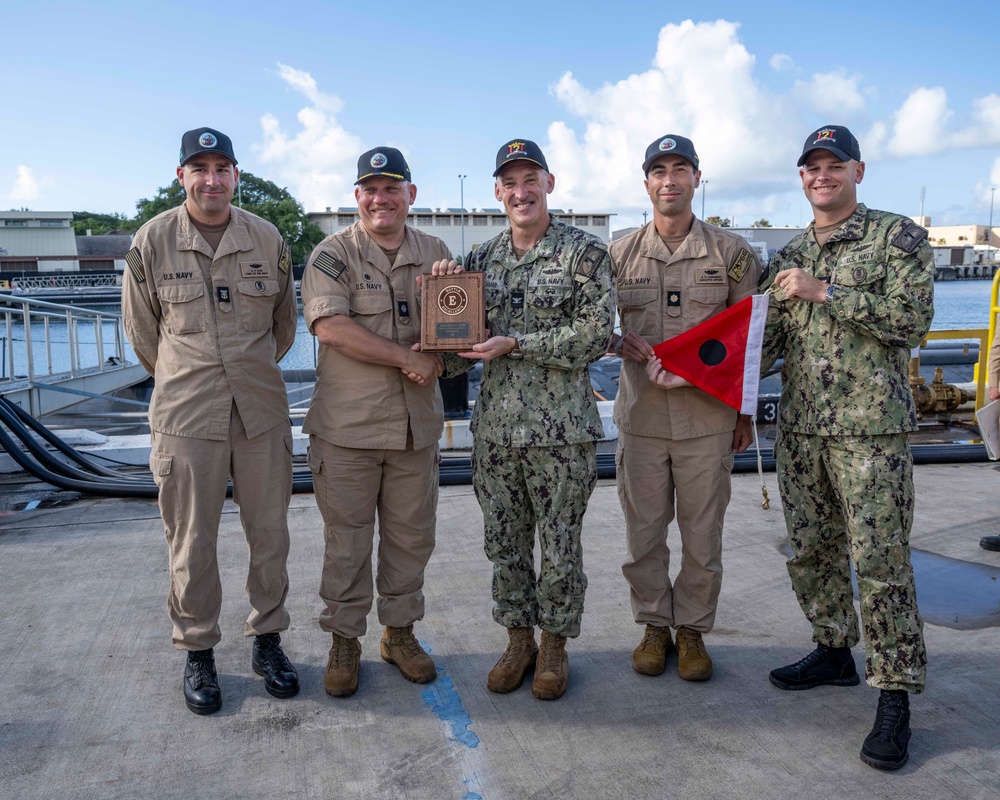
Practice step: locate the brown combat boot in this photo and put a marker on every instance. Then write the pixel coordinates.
(650, 657)
(693, 661)
(341, 676)
(400, 647)
(519, 657)
(551, 668)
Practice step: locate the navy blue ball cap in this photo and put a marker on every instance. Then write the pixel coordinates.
(835, 138)
(205, 140)
(520, 150)
(383, 161)
(670, 145)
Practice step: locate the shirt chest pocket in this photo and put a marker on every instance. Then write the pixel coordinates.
(257, 304)
(183, 307)
(366, 308)
(550, 305)
(865, 273)
(706, 301)
(639, 310)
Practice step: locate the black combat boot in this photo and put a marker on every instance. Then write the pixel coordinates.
(201, 684)
(269, 660)
(824, 665)
(886, 746)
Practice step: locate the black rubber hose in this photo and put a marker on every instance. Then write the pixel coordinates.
(46, 459)
(105, 488)
(60, 445)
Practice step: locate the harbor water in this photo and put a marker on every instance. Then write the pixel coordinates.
(957, 305)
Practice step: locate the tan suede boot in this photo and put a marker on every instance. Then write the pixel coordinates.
(551, 668)
(650, 657)
(400, 647)
(693, 661)
(519, 657)
(341, 676)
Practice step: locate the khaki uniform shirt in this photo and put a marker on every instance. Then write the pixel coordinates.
(662, 295)
(356, 404)
(846, 361)
(558, 301)
(210, 328)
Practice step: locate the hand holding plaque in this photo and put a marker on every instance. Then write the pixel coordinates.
(452, 312)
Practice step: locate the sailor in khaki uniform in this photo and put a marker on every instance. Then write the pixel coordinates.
(374, 422)
(209, 306)
(675, 446)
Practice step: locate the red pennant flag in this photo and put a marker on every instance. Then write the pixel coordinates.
(721, 356)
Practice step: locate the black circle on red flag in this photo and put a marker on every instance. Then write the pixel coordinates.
(712, 352)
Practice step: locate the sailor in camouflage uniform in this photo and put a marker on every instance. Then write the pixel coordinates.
(550, 310)
(853, 294)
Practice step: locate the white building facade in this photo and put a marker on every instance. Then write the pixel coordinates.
(463, 230)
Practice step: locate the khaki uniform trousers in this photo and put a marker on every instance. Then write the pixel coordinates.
(651, 472)
(351, 486)
(192, 475)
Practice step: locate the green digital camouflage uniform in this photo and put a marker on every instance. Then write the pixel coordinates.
(536, 420)
(844, 463)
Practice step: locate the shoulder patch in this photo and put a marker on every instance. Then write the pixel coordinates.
(740, 264)
(587, 268)
(285, 259)
(134, 260)
(329, 266)
(910, 237)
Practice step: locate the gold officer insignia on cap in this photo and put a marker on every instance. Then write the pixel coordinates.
(739, 266)
(134, 260)
(329, 265)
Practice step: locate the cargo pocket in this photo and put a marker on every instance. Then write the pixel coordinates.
(160, 464)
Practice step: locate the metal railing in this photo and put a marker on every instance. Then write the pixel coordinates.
(48, 341)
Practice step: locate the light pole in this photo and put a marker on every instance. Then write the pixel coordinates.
(461, 183)
(704, 183)
(644, 215)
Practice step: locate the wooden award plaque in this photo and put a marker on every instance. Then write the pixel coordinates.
(453, 317)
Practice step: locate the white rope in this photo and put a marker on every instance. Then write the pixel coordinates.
(760, 464)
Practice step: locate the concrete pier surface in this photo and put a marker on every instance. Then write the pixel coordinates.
(92, 706)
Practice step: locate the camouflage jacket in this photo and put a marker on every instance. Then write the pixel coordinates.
(558, 300)
(845, 369)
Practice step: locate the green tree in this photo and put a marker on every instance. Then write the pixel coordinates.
(718, 221)
(99, 224)
(166, 198)
(761, 223)
(257, 195)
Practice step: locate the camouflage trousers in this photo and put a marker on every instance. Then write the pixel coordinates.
(518, 489)
(850, 498)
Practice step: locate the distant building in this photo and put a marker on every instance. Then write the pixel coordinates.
(478, 225)
(44, 241)
(765, 241)
(961, 235)
(37, 241)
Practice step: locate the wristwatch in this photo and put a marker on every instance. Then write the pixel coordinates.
(516, 352)
(829, 294)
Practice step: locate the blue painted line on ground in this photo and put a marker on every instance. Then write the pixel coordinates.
(444, 701)
(441, 698)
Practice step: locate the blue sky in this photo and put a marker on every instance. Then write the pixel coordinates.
(96, 96)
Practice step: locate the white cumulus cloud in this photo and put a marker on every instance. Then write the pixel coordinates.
(834, 94)
(703, 83)
(26, 187)
(781, 62)
(317, 160)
